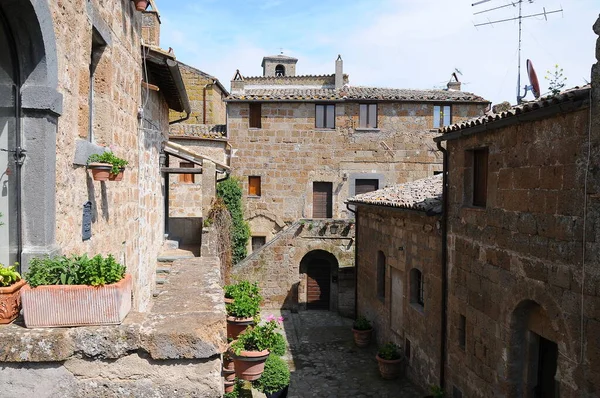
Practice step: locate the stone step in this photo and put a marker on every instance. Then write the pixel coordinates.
(170, 245)
(163, 268)
(174, 254)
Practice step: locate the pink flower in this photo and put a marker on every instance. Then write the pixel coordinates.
(270, 318)
(280, 319)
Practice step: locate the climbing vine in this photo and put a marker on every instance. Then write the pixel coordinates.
(230, 191)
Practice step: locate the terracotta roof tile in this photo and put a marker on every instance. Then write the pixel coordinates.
(182, 130)
(421, 195)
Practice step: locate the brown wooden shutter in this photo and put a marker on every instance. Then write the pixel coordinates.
(366, 185)
(258, 242)
(322, 199)
(255, 116)
(254, 186)
(480, 171)
(186, 178)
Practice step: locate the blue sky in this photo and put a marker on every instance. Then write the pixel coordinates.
(385, 43)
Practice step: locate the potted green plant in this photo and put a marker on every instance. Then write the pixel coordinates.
(390, 361)
(436, 391)
(275, 379)
(362, 331)
(10, 297)
(75, 291)
(106, 166)
(245, 306)
(251, 349)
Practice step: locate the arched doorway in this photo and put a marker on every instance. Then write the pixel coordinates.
(10, 147)
(533, 353)
(319, 275)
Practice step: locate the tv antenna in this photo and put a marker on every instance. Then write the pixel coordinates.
(517, 3)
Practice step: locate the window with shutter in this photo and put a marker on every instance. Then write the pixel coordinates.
(186, 178)
(254, 186)
(367, 116)
(480, 171)
(255, 116)
(322, 199)
(325, 116)
(365, 185)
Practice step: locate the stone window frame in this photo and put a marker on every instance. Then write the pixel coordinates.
(381, 275)
(252, 245)
(255, 115)
(417, 289)
(186, 178)
(258, 186)
(439, 121)
(323, 124)
(364, 176)
(476, 173)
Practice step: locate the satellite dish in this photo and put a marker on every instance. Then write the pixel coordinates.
(533, 80)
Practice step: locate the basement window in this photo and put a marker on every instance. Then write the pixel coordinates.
(442, 116)
(255, 116)
(254, 185)
(325, 116)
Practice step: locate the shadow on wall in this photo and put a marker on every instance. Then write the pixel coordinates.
(291, 299)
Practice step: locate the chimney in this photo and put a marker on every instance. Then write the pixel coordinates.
(339, 73)
(453, 83)
(151, 28)
(237, 83)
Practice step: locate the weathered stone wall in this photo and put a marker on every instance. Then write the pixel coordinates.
(408, 240)
(205, 97)
(126, 215)
(276, 266)
(516, 264)
(289, 153)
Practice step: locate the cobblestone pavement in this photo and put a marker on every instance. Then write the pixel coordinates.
(326, 363)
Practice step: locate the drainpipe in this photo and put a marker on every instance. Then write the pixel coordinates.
(444, 265)
(355, 262)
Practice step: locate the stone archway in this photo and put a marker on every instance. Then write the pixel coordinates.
(318, 288)
(532, 352)
(38, 106)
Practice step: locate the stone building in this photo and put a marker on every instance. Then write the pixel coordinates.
(399, 273)
(523, 287)
(76, 78)
(201, 134)
(302, 145)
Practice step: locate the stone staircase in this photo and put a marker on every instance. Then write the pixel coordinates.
(170, 252)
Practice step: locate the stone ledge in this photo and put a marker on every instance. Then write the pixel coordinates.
(187, 321)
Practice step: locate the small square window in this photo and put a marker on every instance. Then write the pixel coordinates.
(254, 186)
(258, 242)
(325, 116)
(442, 116)
(367, 116)
(417, 287)
(186, 178)
(255, 116)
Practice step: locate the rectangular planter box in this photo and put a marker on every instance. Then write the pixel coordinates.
(76, 305)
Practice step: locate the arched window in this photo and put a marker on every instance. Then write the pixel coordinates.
(381, 275)
(417, 290)
(280, 70)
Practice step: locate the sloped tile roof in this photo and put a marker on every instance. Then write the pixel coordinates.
(421, 195)
(353, 93)
(182, 130)
(570, 95)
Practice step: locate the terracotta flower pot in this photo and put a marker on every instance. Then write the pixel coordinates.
(249, 365)
(117, 177)
(390, 368)
(100, 171)
(229, 386)
(10, 301)
(235, 326)
(141, 5)
(229, 375)
(76, 305)
(362, 338)
(227, 363)
(228, 300)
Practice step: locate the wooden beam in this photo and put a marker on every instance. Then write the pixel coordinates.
(180, 170)
(150, 86)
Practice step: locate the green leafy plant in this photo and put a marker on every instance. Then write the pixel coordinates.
(437, 391)
(110, 158)
(362, 323)
(244, 307)
(9, 275)
(275, 376)
(389, 351)
(242, 288)
(279, 346)
(556, 80)
(257, 338)
(230, 191)
(74, 270)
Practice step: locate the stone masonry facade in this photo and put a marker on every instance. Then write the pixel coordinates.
(408, 240)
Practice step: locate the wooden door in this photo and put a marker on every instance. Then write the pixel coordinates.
(322, 199)
(318, 285)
